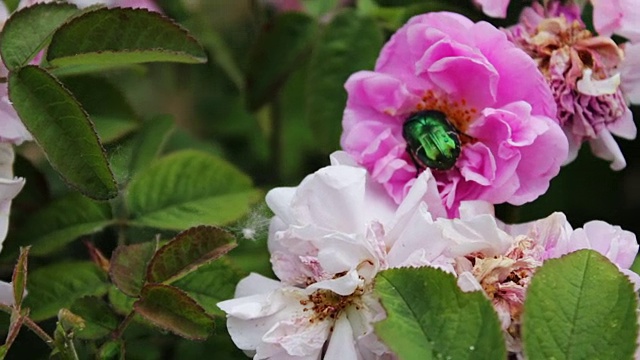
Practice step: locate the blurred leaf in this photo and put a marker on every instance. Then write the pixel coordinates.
(107, 106)
(211, 283)
(33, 196)
(395, 13)
(122, 36)
(580, 307)
(172, 309)
(129, 266)
(219, 344)
(63, 221)
(253, 256)
(54, 117)
(222, 56)
(430, 317)
(120, 302)
(188, 251)
(348, 44)
(150, 141)
(112, 350)
(19, 278)
(296, 140)
(320, 8)
(57, 286)
(28, 30)
(99, 318)
(189, 188)
(277, 52)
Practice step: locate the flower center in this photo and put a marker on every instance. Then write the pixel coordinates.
(328, 305)
(505, 278)
(458, 113)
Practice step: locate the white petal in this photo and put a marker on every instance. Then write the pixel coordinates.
(424, 190)
(468, 283)
(624, 127)
(605, 147)
(279, 201)
(472, 208)
(250, 318)
(342, 158)
(419, 241)
(480, 233)
(332, 198)
(589, 86)
(299, 337)
(341, 343)
(340, 253)
(6, 293)
(344, 285)
(9, 187)
(630, 72)
(256, 284)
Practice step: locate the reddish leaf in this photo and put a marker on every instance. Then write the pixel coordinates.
(172, 309)
(189, 250)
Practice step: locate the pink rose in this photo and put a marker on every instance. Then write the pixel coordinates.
(490, 92)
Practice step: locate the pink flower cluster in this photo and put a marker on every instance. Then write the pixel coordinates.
(483, 130)
(591, 77)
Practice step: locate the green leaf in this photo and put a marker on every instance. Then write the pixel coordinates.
(99, 318)
(150, 142)
(112, 350)
(429, 317)
(122, 36)
(57, 286)
(189, 188)
(172, 309)
(107, 106)
(348, 44)
(19, 278)
(28, 30)
(120, 302)
(580, 307)
(62, 222)
(189, 250)
(54, 117)
(129, 266)
(277, 52)
(211, 283)
(320, 8)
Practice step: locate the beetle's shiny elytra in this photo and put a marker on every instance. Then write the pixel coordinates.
(431, 140)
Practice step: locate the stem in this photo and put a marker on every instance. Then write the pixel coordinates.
(38, 331)
(117, 333)
(120, 215)
(31, 325)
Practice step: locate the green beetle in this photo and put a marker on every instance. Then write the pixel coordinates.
(432, 142)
